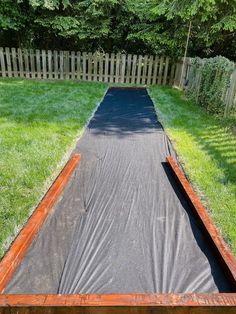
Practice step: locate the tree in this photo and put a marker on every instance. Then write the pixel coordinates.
(132, 26)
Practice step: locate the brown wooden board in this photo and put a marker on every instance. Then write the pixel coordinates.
(120, 303)
(228, 260)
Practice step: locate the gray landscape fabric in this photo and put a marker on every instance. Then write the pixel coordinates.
(121, 225)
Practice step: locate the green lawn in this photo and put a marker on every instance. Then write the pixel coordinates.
(39, 122)
(207, 150)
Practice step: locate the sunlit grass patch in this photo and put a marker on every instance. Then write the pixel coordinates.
(207, 150)
(39, 122)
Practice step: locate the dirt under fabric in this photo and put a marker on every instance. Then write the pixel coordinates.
(121, 225)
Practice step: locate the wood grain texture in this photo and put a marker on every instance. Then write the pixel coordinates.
(22, 242)
(120, 300)
(223, 250)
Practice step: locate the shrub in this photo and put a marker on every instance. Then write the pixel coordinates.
(209, 80)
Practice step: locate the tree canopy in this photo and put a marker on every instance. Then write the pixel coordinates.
(132, 26)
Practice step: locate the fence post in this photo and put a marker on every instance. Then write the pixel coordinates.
(231, 94)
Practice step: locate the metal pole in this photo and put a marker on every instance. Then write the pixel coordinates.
(185, 54)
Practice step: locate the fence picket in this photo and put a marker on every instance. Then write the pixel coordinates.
(123, 67)
(95, 66)
(140, 59)
(166, 70)
(160, 71)
(14, 62)
(84, 56)
(78, 65)
(32, 65)
(61, 65)
(20, 59)
(134, 68)
(55, 59)
(26, 62)
(144, 69)
(90, 66)
(38, 65)
(67, 65)
(150, 69)
(8, 62)
(128, 70)
(172, 73)
(44, 64)
(100, 67)
(117, 77)
(72, 65)
(49, 55)
(106, 67)
(155, 67)
(2, 61)
(111, 80)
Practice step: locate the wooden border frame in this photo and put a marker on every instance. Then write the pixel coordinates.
(130, 300)
(227, 258)
(22, 242)
(137, 303)
(126, 87)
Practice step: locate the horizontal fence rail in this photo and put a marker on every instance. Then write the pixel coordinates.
(98, 66)
(184, 76)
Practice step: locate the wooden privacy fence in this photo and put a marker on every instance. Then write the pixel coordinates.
(103, 67)
(187, 77)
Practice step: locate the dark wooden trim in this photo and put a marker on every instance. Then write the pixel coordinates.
(99, 300)
(223, 250)
(22, 242)
(126, 87)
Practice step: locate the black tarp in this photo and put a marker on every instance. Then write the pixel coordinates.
(121, 225)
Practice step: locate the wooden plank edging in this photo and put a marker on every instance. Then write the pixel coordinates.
(222, 248)
(15, 254)
(169, 301)
(117, 300)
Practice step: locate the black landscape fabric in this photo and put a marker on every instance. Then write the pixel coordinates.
(121, 225)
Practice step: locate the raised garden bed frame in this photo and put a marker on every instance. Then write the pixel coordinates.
(115, 303)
